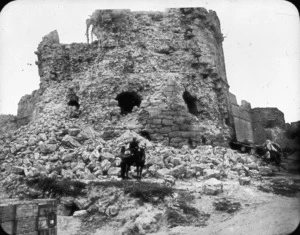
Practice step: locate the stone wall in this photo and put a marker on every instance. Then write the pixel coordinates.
(257, 124)
(7, 123)
(26, 108)
(241, 120)
(268, 117)
(173, 61)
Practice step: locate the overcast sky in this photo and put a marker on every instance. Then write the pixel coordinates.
(261, 46)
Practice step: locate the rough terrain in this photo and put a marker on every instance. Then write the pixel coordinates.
(159, 77)
(260, 211)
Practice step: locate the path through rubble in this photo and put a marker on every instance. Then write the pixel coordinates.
(260, 211)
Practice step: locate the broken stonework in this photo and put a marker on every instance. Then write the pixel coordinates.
(244, 180)
(164, 76)
(80, 213)
(212, 187)
(157, 77)
(211, 173)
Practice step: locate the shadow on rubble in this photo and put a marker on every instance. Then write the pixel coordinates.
(182, 213)
(226, 205)
(144, 191)
(282, 186)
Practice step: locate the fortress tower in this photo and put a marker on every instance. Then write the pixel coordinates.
(158, 73)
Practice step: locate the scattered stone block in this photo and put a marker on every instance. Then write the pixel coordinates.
(212, 187)
(244, 180)
(80, 213)
(69, 141)
(160, 173)
(265, 171)
(178, 171)
(47, 148)
(211, 173)
(73, 131)
(18, 170)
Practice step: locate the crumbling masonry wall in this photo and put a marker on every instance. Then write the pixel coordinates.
(264, 118)
(241, 120)
(253, 125)
(268, 117)
(172, 60)
(7, 123)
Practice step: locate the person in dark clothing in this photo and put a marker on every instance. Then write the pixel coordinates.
(203, 139)
(134, 146)
(273, 153)
(123, 163)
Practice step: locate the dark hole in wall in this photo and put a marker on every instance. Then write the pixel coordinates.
(191, 143)
(270, 124)
(190, 102)
(73, 101)
(127, 100)
(227, 122)
(71, 209)
(145, 134)
(188, 34)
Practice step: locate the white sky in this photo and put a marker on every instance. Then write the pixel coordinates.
(261, 46)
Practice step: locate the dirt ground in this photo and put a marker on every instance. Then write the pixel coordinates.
(260, 213)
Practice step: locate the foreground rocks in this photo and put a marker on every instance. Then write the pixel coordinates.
(68, 148)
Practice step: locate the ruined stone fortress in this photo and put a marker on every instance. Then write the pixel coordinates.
(160, 74)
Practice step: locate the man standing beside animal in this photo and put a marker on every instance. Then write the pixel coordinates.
(134, 146)
(124, 163)
(273, 153)
(136, 157)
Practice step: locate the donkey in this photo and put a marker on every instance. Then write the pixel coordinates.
(138, 159)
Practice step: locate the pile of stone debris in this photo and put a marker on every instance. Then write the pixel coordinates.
(65, 148)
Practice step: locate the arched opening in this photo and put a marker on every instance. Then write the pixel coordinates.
(73, 100)
(127, 100)
(190, 102)
(70, 209)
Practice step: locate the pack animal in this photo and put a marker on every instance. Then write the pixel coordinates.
(275, 156)
(136, 159)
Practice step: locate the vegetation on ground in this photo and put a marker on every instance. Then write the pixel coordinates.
(223, 204)
(145, 191)
(182, 213)
(56, 187)
(284, 187)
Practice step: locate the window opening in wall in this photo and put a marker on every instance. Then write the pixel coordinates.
(190, 102)
(127, 100)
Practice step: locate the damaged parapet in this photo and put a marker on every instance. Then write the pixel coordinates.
(241, 120)
(174, 62)
(251, 124)
(163, 71)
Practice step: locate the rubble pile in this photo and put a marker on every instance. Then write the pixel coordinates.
(68, 148)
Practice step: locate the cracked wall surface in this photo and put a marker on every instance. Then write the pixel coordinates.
(255, 125)
(158, 55)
